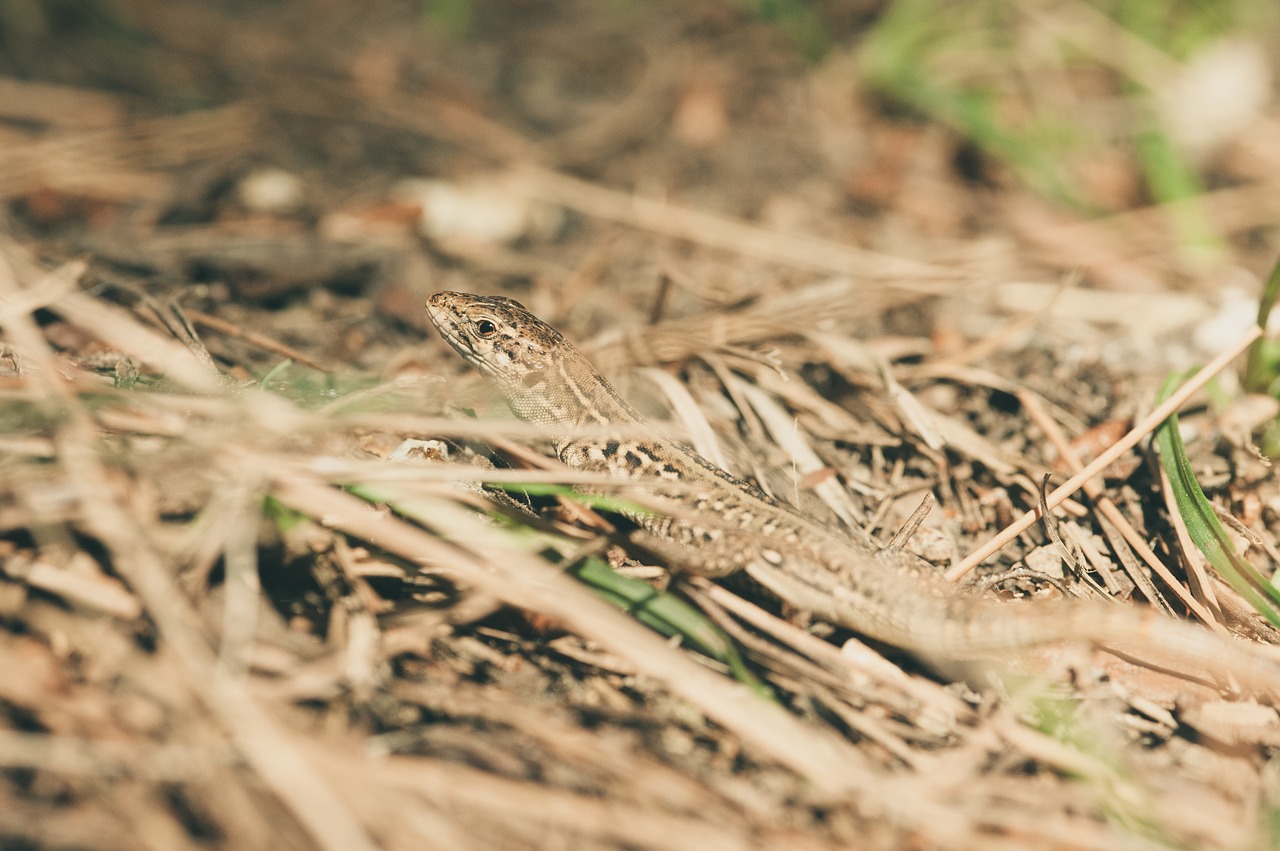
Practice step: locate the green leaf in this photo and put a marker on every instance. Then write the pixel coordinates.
(1175, 183)
(451, 18)
(658, 610)
(1202, 523)
(285, 518)
(276, 371)
(616, 505)
(668, 615)
(310, 389)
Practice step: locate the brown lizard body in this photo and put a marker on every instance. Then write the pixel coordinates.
(723, 524)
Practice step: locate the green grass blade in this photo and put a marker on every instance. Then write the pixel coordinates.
(668, 615)
(614, 504)
(1202, 523)
(658, 610)
(1175, 183)
(451, 18)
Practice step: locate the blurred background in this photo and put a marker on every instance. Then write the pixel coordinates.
(270, 151)
(878, 226)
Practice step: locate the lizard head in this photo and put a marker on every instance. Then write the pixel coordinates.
(519, 352)
(545, 379)
(496, 335)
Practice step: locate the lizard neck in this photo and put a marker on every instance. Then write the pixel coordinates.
(569, 392)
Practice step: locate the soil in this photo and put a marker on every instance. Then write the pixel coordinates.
(277, 570)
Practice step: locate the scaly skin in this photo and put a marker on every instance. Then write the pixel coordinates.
(722, 524)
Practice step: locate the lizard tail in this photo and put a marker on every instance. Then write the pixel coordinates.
(1154, 640)
(923, 617)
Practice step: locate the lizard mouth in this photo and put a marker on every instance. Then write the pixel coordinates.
(437, 317)
(447, 324)
(438, 309)
(453, 327)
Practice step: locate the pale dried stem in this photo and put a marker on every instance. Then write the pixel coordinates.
(522, 580)
(1148, 424)
(1108, 509)
(263, 743)
(725, 232)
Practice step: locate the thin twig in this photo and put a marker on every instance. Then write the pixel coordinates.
(1111, 512)
(1138, 432)
(262, 341)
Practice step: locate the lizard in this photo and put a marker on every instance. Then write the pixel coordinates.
(721, 525)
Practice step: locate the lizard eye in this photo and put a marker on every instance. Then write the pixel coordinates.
(486, 328)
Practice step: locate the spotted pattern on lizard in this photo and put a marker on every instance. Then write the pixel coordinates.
(720, 524)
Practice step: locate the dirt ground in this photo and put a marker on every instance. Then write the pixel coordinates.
(278, 570)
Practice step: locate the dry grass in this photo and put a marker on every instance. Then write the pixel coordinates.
(349, 717)
(233, 615)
